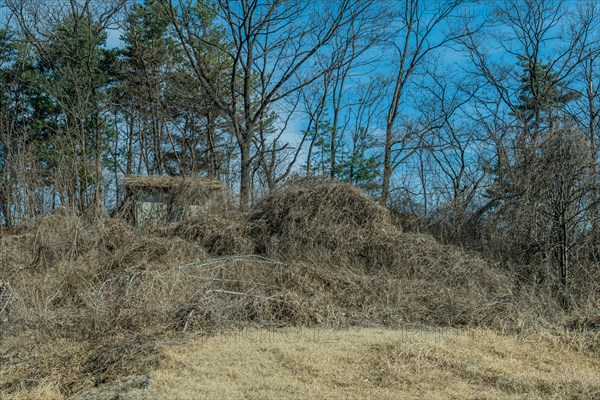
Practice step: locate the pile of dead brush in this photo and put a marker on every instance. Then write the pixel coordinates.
(89, 300)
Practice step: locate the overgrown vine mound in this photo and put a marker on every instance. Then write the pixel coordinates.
(87, 301)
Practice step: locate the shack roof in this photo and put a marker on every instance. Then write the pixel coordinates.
(166, 182)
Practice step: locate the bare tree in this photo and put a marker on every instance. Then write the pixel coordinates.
(539, 197)
(416, 31)
(524, 31)
(273, 42)
(460, 166)
(314, 98)
(366, 111)
(561, 187)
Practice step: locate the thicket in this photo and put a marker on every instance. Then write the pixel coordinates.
(86, 300)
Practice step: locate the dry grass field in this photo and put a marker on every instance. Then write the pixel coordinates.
(299, 363)
(303, 363)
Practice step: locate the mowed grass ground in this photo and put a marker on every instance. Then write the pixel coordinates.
(371, 363)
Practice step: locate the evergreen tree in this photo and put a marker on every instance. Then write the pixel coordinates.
(76, 70)
(174, 122)
(541, 96)
(355, 161)
(145, 61)
(28, 120)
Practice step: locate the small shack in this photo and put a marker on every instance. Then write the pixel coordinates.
(156, 199)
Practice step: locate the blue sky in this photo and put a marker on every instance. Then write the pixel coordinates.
(453, 62)
(113, 39)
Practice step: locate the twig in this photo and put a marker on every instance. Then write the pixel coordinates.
(130, 282)
(209, 278)
(239, 294)
(7, 302)
(187, 320)
(251, 257)
(129, 278)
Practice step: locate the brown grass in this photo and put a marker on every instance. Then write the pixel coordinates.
(371, 363)
(221, 234)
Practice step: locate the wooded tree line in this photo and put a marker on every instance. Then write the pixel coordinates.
(479, 117)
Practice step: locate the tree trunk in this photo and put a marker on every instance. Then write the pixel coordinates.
(245, 173)
(595, 208)
(129, 162)
(213, 167)
(563, 259)
(387, 165)
(310, 149)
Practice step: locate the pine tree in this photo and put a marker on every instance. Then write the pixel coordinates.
(75, 73)
(541, 95)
